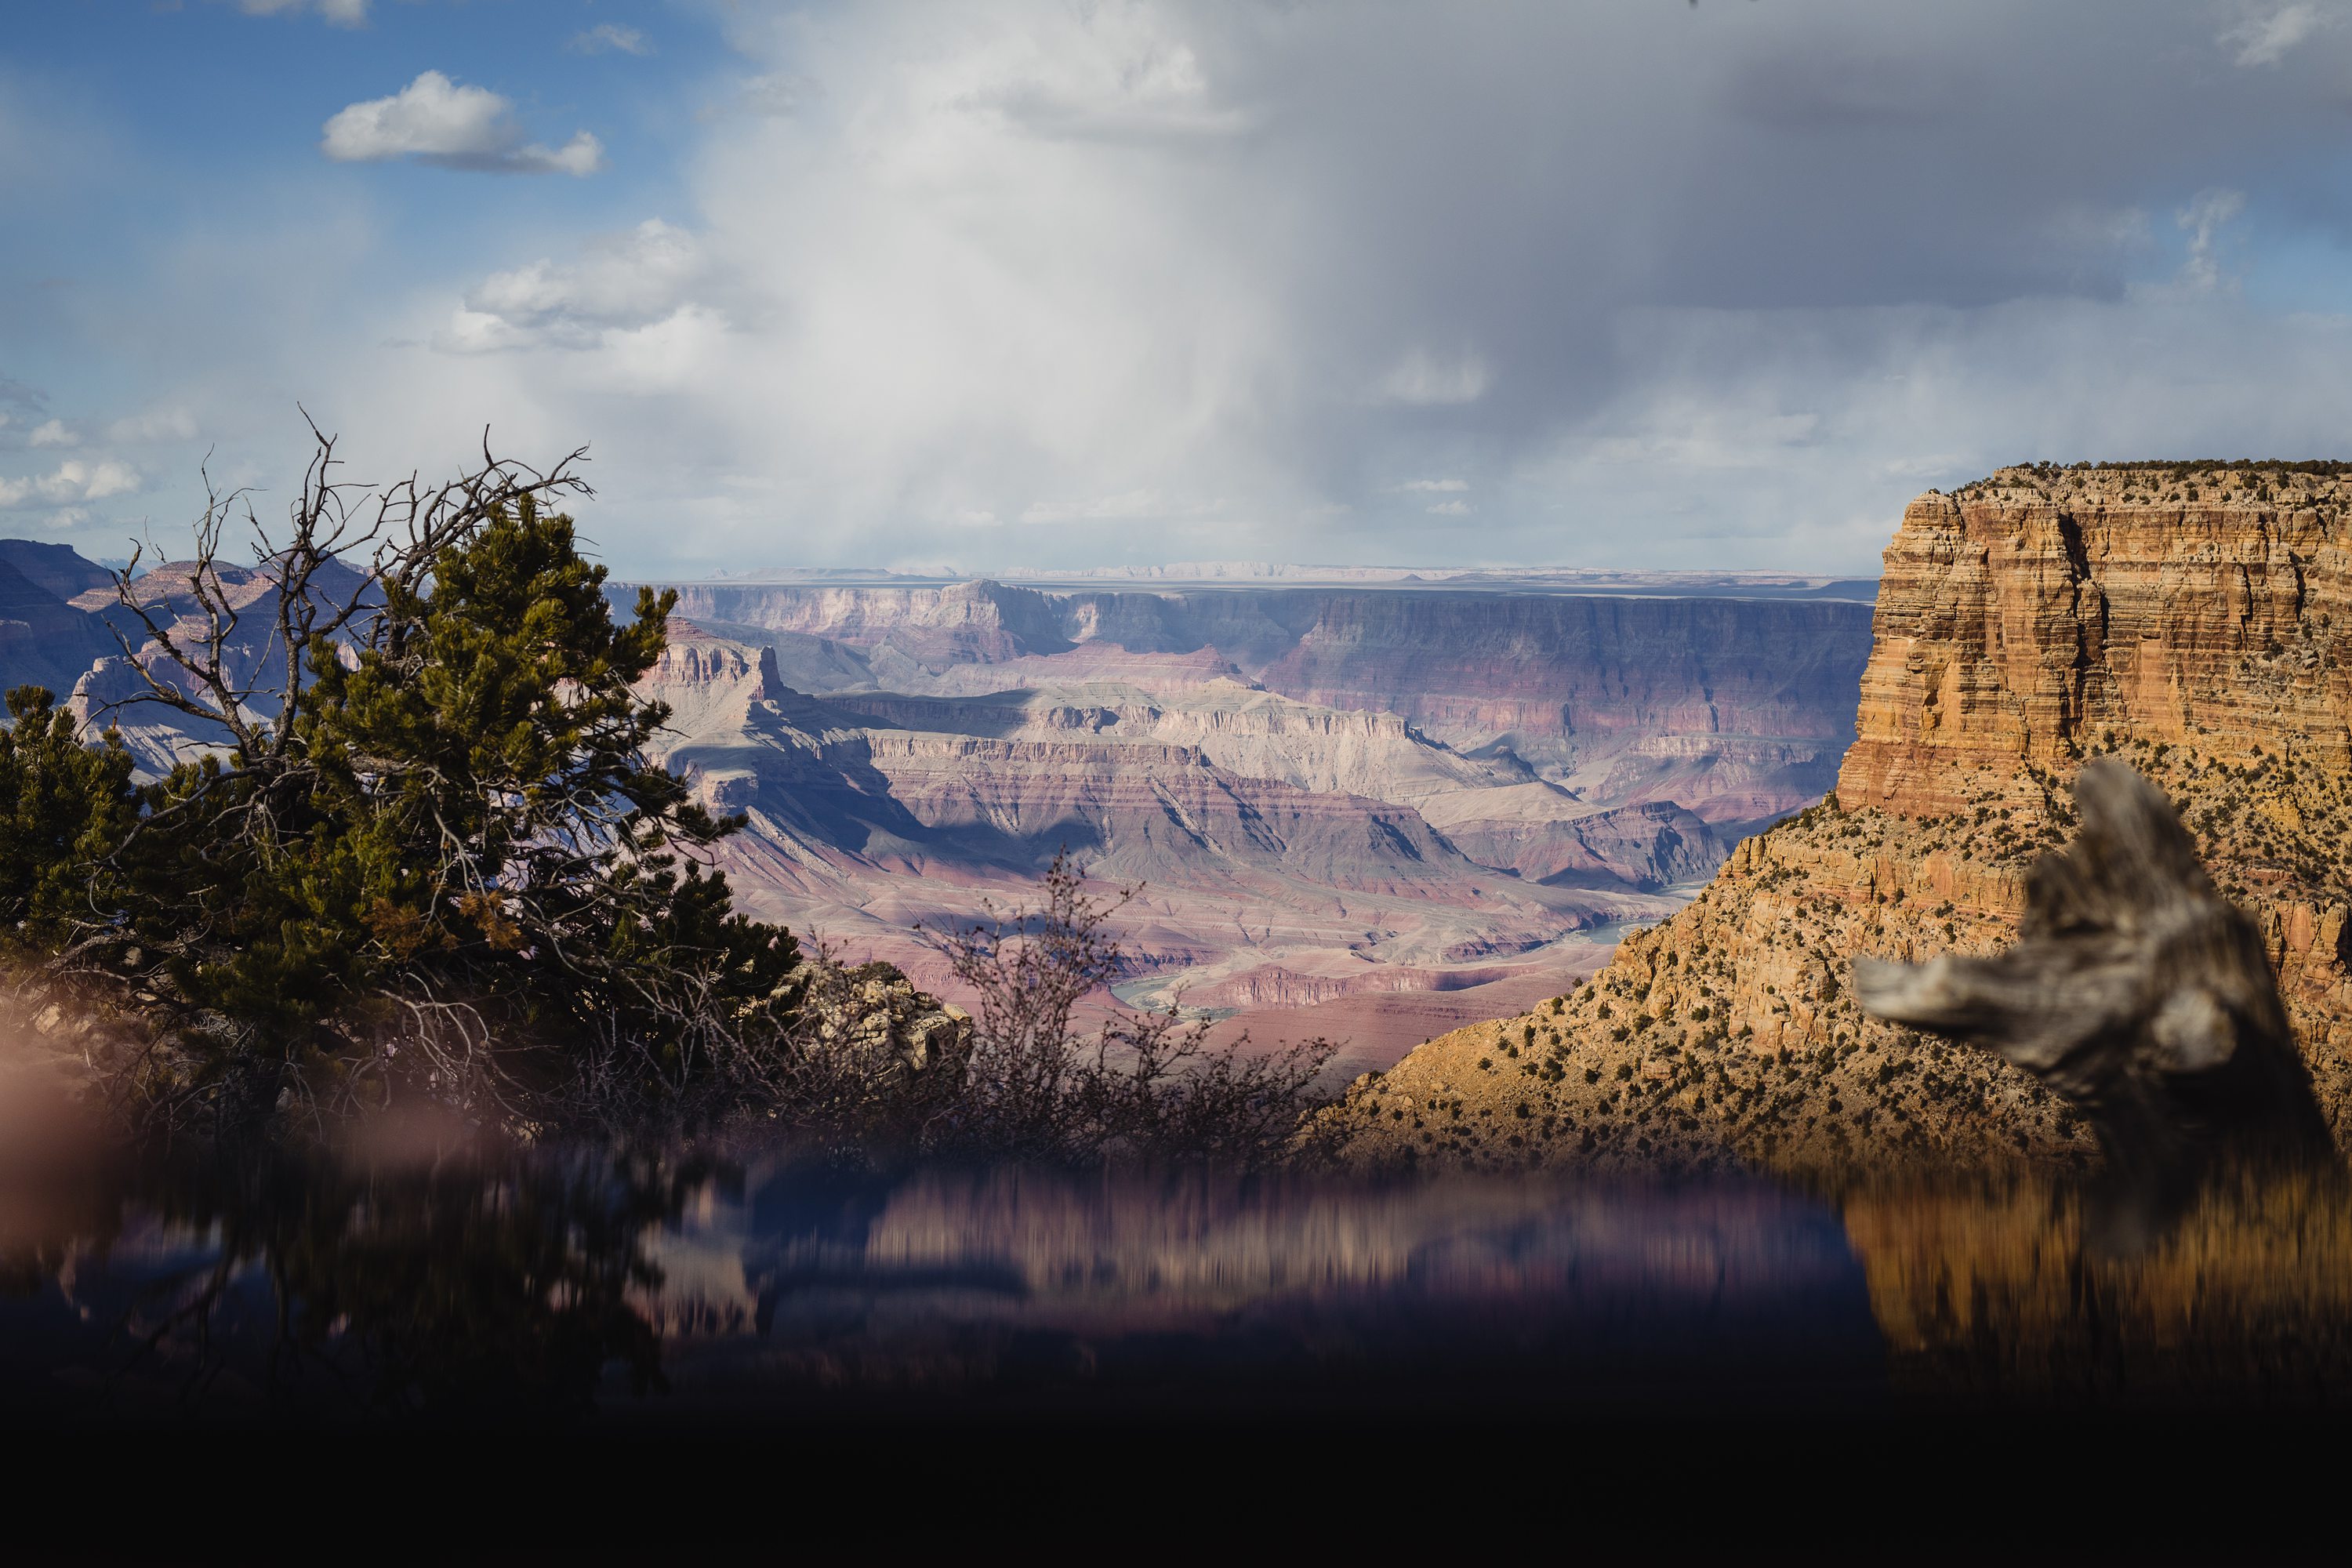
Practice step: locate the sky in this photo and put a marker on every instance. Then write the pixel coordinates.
(1045, 284)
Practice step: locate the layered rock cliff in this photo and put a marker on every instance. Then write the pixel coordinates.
(1733, 708)
(43, 640)
(2185, 615)
(869, 815)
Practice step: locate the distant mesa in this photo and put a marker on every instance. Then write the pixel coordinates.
(1231, 574)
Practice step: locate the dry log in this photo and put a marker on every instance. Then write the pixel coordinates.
(2136, 992)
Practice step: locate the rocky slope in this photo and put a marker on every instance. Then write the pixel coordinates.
(2185, 615)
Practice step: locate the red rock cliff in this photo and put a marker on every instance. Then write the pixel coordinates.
(2184, 615)
(2024, 619)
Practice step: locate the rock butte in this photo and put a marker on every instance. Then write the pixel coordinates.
(2186, 615)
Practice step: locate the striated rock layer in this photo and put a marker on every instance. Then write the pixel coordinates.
(1732, 707)
(1329, 790)
(868, 816)
(2185, 615)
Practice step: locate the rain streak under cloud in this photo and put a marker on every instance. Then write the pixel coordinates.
(1045, 285)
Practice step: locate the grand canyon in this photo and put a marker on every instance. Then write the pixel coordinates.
(1368, 810)
(1421, 814)
(1206, 751)
(1322, 791)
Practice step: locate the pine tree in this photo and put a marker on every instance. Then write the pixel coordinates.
(433, 855)
(62, 804)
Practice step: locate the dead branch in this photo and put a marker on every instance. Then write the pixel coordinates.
(2134, 991)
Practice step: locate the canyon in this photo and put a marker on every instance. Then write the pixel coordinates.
(2187, 618)
(1417, 798)
(1317, 792)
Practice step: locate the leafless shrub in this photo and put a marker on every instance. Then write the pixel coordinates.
(1145, 1084)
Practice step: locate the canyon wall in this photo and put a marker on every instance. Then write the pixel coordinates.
(869, 816)
(1737, 708)
(2185, 617)
(44, 641)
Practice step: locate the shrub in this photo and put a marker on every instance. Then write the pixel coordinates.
(1145, 1084)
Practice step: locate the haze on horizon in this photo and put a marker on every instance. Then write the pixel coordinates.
(1060, 285)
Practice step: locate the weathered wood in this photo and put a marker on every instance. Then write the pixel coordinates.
(2136, 991)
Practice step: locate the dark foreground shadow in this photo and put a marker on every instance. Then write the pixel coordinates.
(611, 1295)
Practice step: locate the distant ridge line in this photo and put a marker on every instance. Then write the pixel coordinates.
(1251, 574)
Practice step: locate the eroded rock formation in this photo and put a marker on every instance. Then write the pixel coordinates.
(1329, 791)
(2184, 617)
(1734, 708)
(860, 827)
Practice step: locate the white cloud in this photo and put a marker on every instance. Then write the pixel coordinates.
(1130, 77)
(341, 13)
(52, 434)
(1423, 380)
(2203, 220)
(1450, 509)
(1088, 266)
(2265, 39)
(73, 480)
(153, 425)
(1651, 285)
(621, 282)
(436, 120)
(610, 37)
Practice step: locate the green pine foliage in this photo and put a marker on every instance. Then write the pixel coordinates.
(443, 863)
(63, 805)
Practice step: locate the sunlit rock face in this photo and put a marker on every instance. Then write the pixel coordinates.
(2183, 616)
(2024, 618)
(1324, 791)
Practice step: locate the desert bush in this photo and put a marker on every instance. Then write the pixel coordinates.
(1038, 1085)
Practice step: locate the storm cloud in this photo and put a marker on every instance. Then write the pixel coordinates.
(1657, 285)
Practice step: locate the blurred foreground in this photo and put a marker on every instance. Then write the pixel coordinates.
(422, 1278)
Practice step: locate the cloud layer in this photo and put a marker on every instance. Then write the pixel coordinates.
(341, 13)
(1043, 284)
(72, 481)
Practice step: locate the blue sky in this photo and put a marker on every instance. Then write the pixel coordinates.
(1041, 283)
